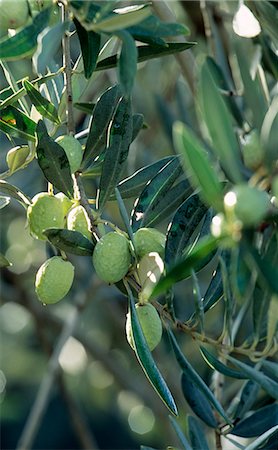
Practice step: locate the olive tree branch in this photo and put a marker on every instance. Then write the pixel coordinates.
(68, 73)
(223, 347)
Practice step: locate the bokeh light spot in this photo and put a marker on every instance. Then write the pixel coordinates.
(73, 357)
(141, 419)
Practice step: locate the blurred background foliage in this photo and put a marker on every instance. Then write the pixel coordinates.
(101, 398)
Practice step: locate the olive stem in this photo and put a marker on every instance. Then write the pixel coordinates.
(217, 343)
(83, 201)
(68, 73)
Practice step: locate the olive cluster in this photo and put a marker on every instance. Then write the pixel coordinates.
(114, 257)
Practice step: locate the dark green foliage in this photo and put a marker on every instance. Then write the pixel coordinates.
(70, 241)
(119, 140)
(257, 423)
(182, 227)
(146, 360)
(15, 123)
(43, 106)
(215, 286)
(102, 115)
(198, 401)
(90, 47)
(154, 193)
(53, 161)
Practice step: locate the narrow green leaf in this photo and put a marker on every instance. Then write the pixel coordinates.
(151, 30)
(86, 107)
(13, 98)
(4, 262)
(9, 97)
(271, 369)
(137, 124)
(269, 133)
(24, 42)
(203, 233)
(90, 47)
(82, 88)
(253, 92)
(214, 291)
(70, 241)
(248, 396)
(120, 135)
(196, 163)
(195, 378)
(182, 270)
(184, 442)
(124, 18)
(219, 124)
(215, 364)
(269, 58)
(270, 386)
(167, 204)
(229, 300)
(240, 274)
(42, 105)
(102, 116)
(14, 192)
(124, 213)
(95, 169)
(84, 11)
(127, 64)
(196, 434)
(15, 123)
(134, 184)
(260, 305)
(53, 162)
(146, 360)
(198, 303)
(262, 439)
(154, 192)
(267, 271)
(49, 43)
(257, 423)
(221, 82)
(146, 52)
(183, 225)
(198, 401)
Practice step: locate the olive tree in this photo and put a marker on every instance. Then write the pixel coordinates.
(206, 212)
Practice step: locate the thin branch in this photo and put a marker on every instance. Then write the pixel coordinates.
(83, 200)
(68, 73)
(207, 26)
(217, 343)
